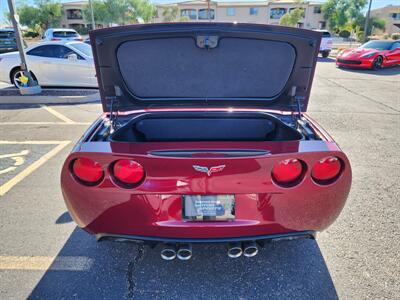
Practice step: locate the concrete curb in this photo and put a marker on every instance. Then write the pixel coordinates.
(50, 99)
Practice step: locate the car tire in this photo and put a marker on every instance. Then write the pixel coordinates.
(377, 63)
(325, 54)
(13, 76)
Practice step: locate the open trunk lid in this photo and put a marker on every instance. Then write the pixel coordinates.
(204, 64)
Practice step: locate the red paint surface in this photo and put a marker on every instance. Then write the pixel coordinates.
(154, 208)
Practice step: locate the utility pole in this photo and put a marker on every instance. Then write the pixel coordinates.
(92, 14)
(32, 86)
(367, 21)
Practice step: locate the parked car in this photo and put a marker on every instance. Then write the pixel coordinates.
(200, 142)
(373, 55)
(326, 43)
(61, 34)
(7, 41)
(52, 64)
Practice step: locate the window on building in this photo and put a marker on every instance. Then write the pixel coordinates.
(190, 13)
(321, 25)
(253, 11)
(396, 16)
(230, 11)
(204, 14)
(300, 25)
(74, 14)
(277, 13)
(317, 10)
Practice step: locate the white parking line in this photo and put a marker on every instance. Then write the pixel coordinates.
(58, 115)
(44, 123)
(44, 263)
(32, 167)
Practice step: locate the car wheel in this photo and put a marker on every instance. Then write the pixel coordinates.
(377, 63)
(15, 77)
(325, 54)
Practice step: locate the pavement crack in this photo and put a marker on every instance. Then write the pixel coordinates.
(130, 276)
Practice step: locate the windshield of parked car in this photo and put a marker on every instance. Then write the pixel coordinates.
(326, 34)
(84, 48)
(378, 45)
(64, 34)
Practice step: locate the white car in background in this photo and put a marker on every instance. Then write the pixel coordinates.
(61, 34)
(52, 64)
(326, 43)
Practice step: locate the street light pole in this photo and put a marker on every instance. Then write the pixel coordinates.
(32, 86)
(92, 14)
(367, 21)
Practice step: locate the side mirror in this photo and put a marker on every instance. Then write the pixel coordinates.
(72, 57)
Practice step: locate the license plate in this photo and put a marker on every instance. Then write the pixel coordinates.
(208, 207)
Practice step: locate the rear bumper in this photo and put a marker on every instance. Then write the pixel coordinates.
(147, 239)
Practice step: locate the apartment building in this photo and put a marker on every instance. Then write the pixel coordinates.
(391, 15)
(73, 16)
(262, 12)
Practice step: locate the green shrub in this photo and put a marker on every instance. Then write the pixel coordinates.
(396, 36)
(385, 36)
(360, 36)
(344, 34)
(31, 34)
(82, 30)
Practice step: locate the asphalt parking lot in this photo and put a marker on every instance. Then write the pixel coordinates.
(43, 255)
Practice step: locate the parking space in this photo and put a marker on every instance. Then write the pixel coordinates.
(44, 255)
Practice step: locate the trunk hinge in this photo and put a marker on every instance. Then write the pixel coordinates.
(113, 102)
(297, 102)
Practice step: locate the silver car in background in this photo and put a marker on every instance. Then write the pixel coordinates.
(61, 34)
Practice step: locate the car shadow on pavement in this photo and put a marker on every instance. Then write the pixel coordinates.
(282, 270)
(390, 71)
(325, 59)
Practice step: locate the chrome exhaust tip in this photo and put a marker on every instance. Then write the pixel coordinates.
(234, 250)
(250, 249)
(184, 252)
(168, 252)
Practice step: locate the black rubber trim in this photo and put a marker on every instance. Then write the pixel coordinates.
(300, 234)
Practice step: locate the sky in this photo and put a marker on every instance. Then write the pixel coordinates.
(4, 5)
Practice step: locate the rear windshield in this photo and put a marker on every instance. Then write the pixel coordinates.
(64, 34)
(6, 34)
(378, 45)
(178, 68)
(326, 34)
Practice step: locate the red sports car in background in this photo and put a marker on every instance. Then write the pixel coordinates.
(372, 55)
(204, 139)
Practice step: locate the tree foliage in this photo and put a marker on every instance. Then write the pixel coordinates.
(292, 17)
(340, 13)
(42, 15)
(170, 14)
(120, 11)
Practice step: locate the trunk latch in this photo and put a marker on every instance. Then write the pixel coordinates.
(207, 41)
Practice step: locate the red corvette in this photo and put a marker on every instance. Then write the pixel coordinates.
(372, 55)
(204, 139)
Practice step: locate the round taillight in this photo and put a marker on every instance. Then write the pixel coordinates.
(287, 172)
(326, 169)
(128, 172)
(87, 171)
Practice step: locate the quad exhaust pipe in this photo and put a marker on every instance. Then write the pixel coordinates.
(184, 251)
(235, 250)
(170, 252)
(248, 249)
